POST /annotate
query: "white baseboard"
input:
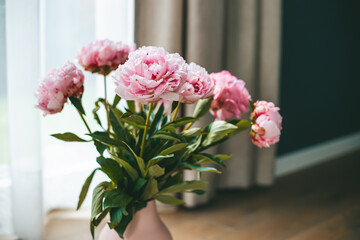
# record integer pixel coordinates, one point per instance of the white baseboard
(316, 154)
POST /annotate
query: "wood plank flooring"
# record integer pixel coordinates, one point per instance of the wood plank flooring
(321, 203)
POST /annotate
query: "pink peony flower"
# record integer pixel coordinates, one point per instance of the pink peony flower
(149, 75)
(266, 127)
(57, 86)
(198, 85)
(103, 56)
(231, 98)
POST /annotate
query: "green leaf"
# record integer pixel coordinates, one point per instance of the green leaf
(172, 180)
(202, 158)
(156, 171)
(243, 124)
(115, 217)
(98, 219)
(183, 186)
(157, 159)
(97, 199)
(202, 107)
(99, 146)
(104, 138)
(174, 148)
(201, 168)
(92, 230)
(85, 188)
(180, 122)
(96, 109)
(118, 126)
(77, 104)
(141, 164)
(157, 120)
(140, 182)
(111, 168)
(131, 105)
(117, 198)
(139, 160)
(192, 132)
(223, 157)
(116, 100)
(134, 120)
(169, 136)
(128, 168)
(151, 189)
(218, 130)
(251, 103)
(68, 137)
(168, 199)
(198, 192)
(120, 228)
(174, 105)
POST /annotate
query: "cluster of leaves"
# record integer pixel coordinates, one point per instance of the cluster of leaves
(137, 178)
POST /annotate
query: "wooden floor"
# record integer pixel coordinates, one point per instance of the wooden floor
(322, 203)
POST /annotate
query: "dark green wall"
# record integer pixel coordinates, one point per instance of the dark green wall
(320, 71)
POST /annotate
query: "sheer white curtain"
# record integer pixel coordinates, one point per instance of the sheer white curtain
(40, 35)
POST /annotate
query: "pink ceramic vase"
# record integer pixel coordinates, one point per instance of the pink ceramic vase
(145, 225)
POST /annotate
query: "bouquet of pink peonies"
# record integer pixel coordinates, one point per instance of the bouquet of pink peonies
(145, 145)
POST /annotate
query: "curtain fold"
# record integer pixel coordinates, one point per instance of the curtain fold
(237, 35)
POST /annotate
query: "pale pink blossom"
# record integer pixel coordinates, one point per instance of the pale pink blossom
(198, 85)
(149, 75)
(230, 98)
(57, 86)
(103, 56)
(266, 126)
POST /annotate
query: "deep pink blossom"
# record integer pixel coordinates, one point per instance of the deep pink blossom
(149, 75)
(57, 86)
(103, 56)
(198, 84)
(230, 98)
(266, 127)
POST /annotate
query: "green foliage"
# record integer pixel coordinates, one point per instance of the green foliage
(169, 136)
(116, 101)
(150, 190)
(192, 132)
(173, 148)
(96, 109)
(85, 188)
(202, 107)
(131, 105)
(76, 101)
(68, 137)
(134, 120)
(168, 199)
(128, 168)
(156, 171)
(186, 185)
(201, 168)
(111, 168)
(140, 172)
(218, 130)
(180, 122)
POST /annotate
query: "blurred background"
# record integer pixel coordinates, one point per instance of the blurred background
(301, 54)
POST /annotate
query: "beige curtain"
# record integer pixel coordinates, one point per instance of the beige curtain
(242, 36)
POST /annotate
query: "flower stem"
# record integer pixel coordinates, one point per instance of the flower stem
(176, 112)
(82, 117)
(106, 105)
(187, 126)
(146, 129)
